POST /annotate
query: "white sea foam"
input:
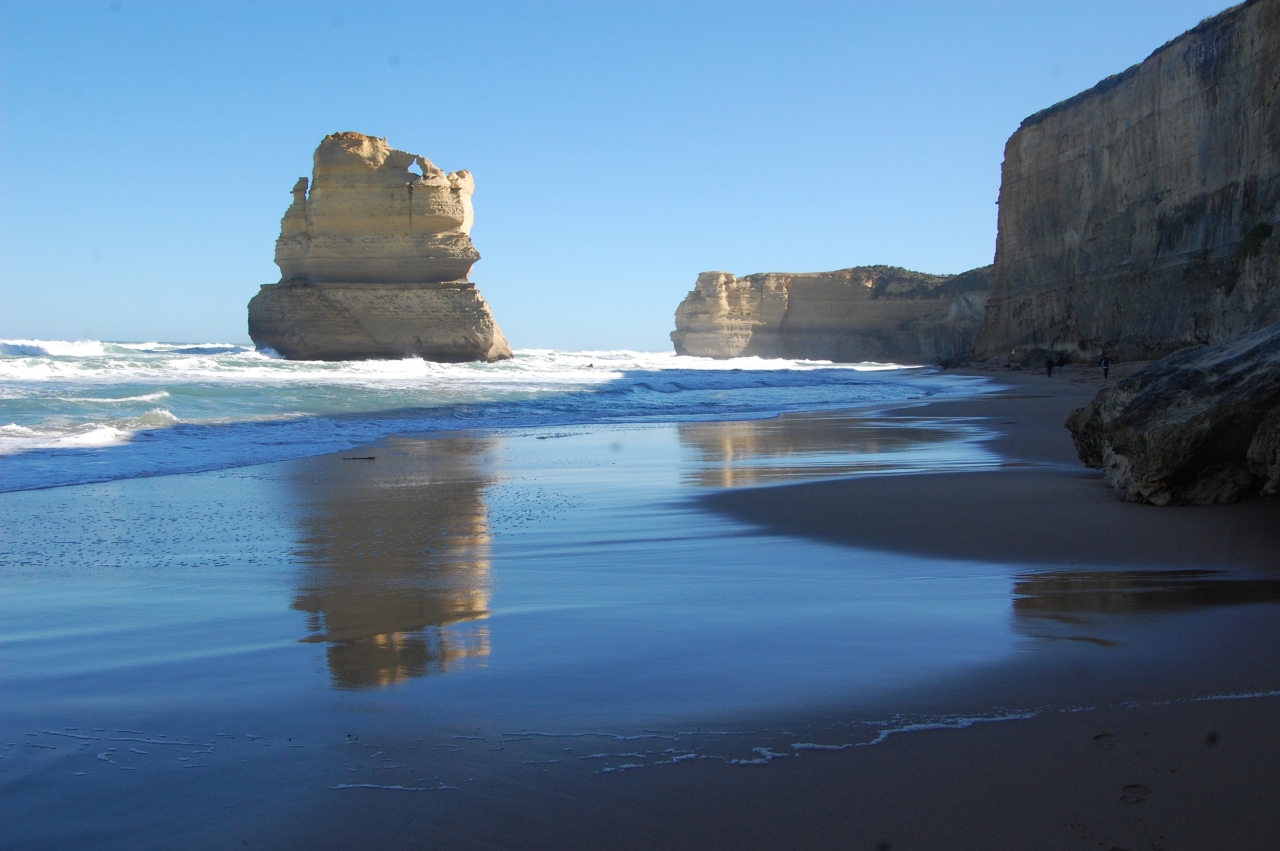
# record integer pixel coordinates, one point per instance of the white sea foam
(97, 435)
(950, 723)
(765, 756)
(117, 400)
(73, 412)
(51, 348)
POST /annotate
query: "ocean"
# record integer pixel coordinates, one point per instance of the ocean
(89, 411)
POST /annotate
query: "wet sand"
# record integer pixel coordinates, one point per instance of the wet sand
(1193, 776)
(1124, 776)
(1104, 757)
(640, 637)
(1042, 507)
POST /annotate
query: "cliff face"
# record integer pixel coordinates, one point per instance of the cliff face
(868, 313)
(374, 261)
(1134, 218)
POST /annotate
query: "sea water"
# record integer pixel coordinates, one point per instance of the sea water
(77, 412)
(504, 575)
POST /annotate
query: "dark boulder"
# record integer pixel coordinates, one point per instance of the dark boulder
(1199, 426)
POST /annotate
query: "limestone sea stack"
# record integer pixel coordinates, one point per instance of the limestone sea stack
(374, 260)
(1135, 218)
(867, 313)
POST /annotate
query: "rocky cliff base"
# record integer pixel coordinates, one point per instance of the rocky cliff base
(867, 313)
(447, 322)
(1200, 426)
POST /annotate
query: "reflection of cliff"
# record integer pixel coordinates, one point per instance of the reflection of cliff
(1070, 604)
(397, 550)
(738, 454)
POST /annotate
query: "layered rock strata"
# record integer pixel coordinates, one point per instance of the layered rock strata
(1135, 217)
(1200, 426)
(374, 260)
(867, 313)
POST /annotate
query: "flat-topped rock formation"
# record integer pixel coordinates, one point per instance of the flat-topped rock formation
(374, 260)
(867, 313)
(1135, 217)
(1199, 426)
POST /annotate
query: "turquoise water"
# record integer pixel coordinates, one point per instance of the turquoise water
(75, 412)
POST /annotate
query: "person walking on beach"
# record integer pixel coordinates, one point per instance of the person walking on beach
(1048, 367)
(1106, 366)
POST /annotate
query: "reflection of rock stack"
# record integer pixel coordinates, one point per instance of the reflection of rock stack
(399, 561)
(374, 262)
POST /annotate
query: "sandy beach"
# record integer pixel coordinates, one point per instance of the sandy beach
(1107, 757)
(909, 626)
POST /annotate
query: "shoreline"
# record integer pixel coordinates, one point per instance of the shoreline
(1042, 507)
(1092, 730)
(1122, 773)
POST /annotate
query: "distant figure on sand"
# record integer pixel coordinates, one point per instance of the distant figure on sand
(1008, 362)
(1062, 363)
(1106, 366)
(1048, 367)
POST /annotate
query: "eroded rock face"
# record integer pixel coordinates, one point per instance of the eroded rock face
(1135, 218)
(1198, 427)
(439, 322)
(868, 313)
(374, 260)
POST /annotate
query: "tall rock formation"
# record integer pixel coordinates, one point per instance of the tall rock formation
(374, 262)
(867, 313)
(1134, 217)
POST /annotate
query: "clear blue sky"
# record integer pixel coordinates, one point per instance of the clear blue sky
(618, 148)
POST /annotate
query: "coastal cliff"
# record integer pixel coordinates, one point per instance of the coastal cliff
(1135, 218)
(867, 313)
(374, 260)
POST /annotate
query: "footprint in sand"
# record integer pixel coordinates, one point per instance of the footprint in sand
(1105, 741)
(1135, 793)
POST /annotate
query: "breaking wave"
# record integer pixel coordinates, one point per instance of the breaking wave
(75, 412)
